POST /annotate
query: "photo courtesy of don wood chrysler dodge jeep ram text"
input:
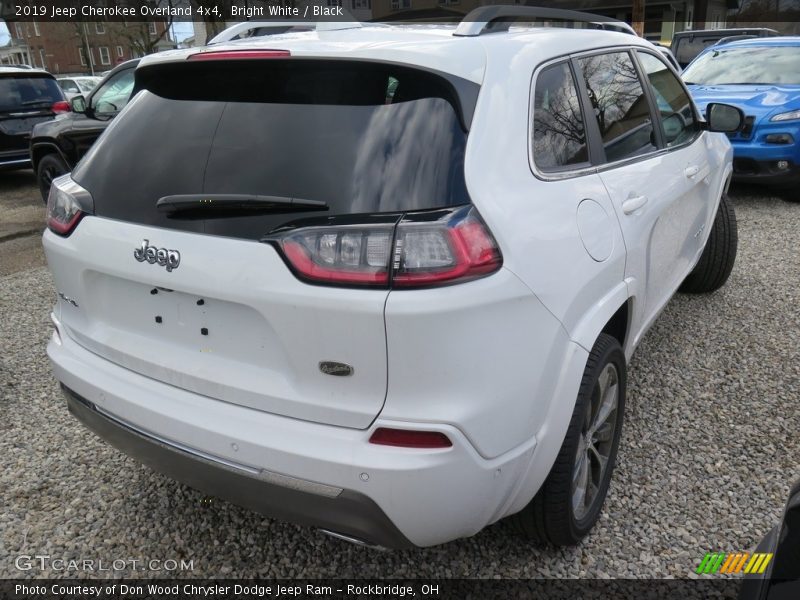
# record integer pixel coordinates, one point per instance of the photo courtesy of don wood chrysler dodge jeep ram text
(385, 281)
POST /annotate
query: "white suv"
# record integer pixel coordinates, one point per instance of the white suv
(384, 281)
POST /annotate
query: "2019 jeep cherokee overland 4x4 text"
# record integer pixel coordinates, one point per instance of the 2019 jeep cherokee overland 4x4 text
(385, 280)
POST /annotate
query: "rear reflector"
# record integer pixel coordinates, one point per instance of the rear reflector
(239, 54)
(61, 107)
(407, 438)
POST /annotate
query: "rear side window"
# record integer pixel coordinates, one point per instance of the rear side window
(28, 91)
(360, 137)
(620, 105)
(677, 116)
(559, 137)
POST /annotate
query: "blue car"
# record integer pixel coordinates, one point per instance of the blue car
(762, 77)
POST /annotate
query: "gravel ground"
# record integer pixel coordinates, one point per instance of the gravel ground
(709, 450)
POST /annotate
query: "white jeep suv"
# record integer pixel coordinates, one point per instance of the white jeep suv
(384, 281)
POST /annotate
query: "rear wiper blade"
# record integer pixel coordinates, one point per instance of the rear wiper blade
(204, 206)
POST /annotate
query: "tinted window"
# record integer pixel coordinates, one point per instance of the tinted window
(68, 85)
(559, 138)
(362, 137)
(746, 65)
(677, 115)
(114, 93)
(620, 105)
(28, 91)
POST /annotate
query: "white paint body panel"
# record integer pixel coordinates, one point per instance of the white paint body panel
(494, 363)
(267, 331)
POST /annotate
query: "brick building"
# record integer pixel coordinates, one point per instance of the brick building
(84, 47)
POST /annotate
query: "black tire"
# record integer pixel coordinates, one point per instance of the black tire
(719, 255)
(551, 517)
(50, 167)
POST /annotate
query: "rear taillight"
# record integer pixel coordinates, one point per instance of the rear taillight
(460, 249)
(408, 438)
(423, 249)
(340, 255)
(61, 107)
(239, 54)
(67, 203)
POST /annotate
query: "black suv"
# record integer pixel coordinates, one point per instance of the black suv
(686, 45)
(27, 97)
(57, 146)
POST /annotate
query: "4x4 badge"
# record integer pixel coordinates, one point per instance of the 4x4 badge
(166, 258)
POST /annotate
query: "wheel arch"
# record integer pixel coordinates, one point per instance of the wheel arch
(41, 149)
(612, 314)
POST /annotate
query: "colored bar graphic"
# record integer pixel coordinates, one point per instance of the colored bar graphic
(721, 562)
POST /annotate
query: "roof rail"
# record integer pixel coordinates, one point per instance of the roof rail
(279, 26)
(493, 19)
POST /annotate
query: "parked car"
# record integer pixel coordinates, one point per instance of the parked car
(27, 97)
(72, 86)
(335, 277)
(762, 77)
(781, 579)
(56, 146)
(686, 45)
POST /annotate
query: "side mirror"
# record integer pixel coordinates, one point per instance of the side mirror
(724, 118)
(78, 104)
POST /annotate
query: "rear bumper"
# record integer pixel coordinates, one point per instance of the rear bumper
(327, 507)
(309, 473)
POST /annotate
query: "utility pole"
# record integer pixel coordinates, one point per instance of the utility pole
(638, 17)
(90, 57)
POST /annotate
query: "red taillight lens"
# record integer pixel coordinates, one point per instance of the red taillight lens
(240, 54)
(449, 247)
(61, 107)
(66, 204)
(349, 255)
(407, 438)
(435, 254)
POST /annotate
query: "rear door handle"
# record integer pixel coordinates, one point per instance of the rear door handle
(633, 204)
(691, 171)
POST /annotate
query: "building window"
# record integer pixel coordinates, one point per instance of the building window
(151, 28)
(362, 4)
(105, 56)
(82, 55)
(401, 4)
(36, 29)
(18, 27)
(99, 28)
(120, 52)
(41, 57)
(689, 18)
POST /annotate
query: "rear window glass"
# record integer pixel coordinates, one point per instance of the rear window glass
(27, 91)
(361, 137)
